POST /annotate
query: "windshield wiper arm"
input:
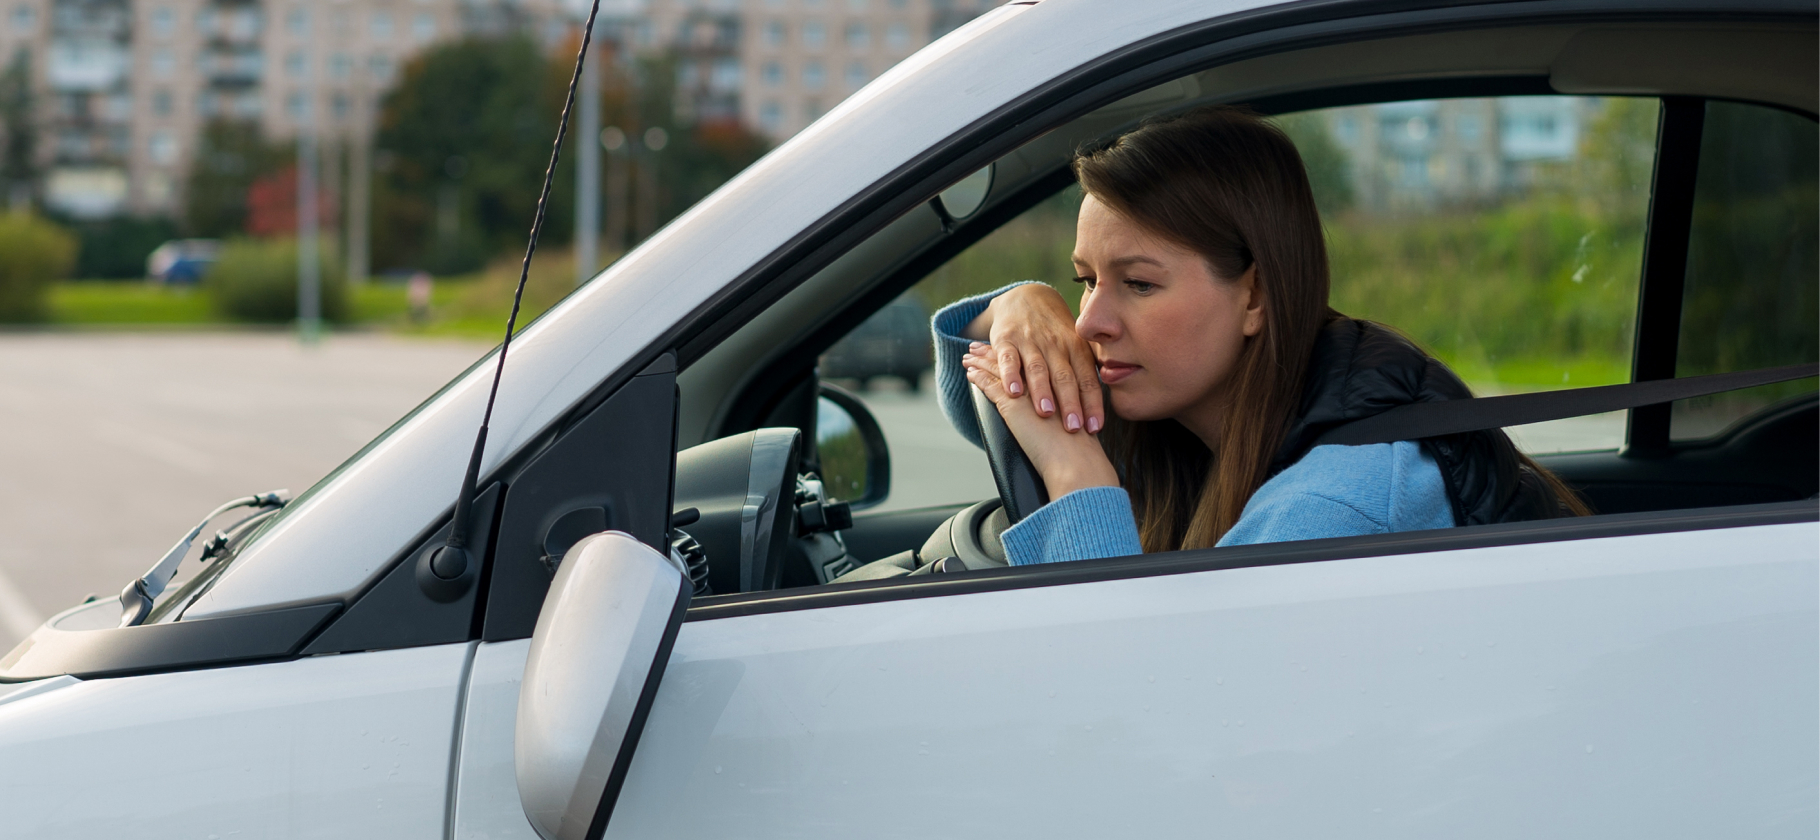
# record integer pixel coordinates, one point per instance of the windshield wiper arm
(136, 599)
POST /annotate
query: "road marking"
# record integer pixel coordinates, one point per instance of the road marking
(17, 615)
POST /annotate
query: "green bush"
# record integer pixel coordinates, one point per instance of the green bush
(256, 280)
(34, 253)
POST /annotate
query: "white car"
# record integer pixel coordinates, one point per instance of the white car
(1649, 671)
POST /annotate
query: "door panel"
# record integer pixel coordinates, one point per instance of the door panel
(486, 801)
(354, 745)
(1657, 685)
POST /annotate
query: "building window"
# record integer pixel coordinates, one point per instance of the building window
(381, 25)
(296, 105)
(858, 6)
(208, 104)
(897, 36)
(856, 74)
(858, 38)
(340, 105)
(297, 21)
(296, 64)
(774, 33)
(813, 75)
(773, 74)
(726, 75)
(340, 65)
(771, 117)
(164, 21)
(381, 67)
(24, 17)
(162, 103)
(814, 35)
(164, 63)
(423, 28)
(812, 109)
(247, 104)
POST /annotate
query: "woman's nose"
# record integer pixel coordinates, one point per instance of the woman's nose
(1099, 322)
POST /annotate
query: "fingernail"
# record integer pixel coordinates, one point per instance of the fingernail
(1093, 424)
(977, 344)
(1073, 422)
(1048, 406)
(1016, 388)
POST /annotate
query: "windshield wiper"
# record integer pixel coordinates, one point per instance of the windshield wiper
(137, 598)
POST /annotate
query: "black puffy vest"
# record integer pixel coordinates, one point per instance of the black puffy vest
(1360, 369)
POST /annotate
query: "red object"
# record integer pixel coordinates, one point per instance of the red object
(271, 205)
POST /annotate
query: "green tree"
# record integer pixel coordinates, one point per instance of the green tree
(466, 135)
(230, 156)
(1329, 169)
(34, 253)
(19, 163)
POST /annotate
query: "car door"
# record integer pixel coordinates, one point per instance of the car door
(1591, 682)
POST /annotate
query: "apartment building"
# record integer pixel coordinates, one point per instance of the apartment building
(778, 65)
(125, 86)
(1419, 154)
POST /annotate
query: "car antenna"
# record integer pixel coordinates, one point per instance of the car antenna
(451, 560)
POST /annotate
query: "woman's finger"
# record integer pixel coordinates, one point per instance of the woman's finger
(1087, 373)
(1010, 367)
(1067, 395)
(1036, 380)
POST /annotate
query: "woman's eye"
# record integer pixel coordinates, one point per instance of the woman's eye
(1140, 286)
(1089, 282)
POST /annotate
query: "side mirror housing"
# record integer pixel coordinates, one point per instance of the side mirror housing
(602, 640)
(855, 462)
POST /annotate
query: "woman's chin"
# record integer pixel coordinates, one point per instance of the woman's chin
(1134, 409)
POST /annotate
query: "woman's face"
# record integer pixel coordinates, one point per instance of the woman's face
(1167, 331)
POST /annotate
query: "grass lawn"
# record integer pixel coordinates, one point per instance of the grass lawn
(128, 302)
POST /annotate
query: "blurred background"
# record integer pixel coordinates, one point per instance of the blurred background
(162, 160)
(173, 172)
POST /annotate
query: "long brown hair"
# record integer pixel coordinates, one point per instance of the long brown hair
(1231, 187)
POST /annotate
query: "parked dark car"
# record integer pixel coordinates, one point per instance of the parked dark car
(895, 341)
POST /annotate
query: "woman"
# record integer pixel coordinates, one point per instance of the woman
(1204, 321)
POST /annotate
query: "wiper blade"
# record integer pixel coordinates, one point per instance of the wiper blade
(137, 598)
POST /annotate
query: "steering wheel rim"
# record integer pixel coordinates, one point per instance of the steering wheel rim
(1020, 489)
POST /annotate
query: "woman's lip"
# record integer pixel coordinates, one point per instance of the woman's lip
(1112, 372)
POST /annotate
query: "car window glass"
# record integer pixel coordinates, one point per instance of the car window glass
(888, 359)
(1750, 295)
(1505, 235)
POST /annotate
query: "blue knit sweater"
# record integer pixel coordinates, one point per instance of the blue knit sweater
(1333, 491)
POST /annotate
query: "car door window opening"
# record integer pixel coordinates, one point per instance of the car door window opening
(1021, 193)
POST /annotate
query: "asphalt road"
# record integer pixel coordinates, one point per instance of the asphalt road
(114, 444)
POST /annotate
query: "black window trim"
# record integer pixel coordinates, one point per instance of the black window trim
(1538, 533)
(1664, 271)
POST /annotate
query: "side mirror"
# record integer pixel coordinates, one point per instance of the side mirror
(855, 462)
(602, 640)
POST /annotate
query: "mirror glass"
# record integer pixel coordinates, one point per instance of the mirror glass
(843, 451)
(965, 197)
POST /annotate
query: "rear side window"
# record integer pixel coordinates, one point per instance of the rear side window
(1753, 261)
(1505, 235)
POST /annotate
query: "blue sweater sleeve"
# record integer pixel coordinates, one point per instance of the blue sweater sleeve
(1083, 525)
(950, 378)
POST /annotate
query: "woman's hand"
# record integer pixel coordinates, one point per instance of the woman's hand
(1035, 349)
(1067, 462)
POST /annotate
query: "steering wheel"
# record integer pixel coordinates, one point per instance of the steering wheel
(1020, 489)
(971, 536)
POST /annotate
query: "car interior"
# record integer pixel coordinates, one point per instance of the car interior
(763, 378)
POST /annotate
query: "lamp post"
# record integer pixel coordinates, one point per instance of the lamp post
(587, 175)
(309, 271)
